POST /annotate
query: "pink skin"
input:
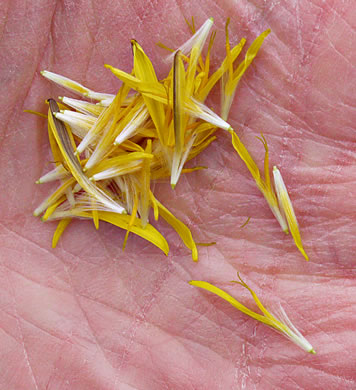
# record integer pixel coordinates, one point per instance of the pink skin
(88, 316)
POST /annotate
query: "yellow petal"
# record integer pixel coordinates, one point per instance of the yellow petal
(245, 157)
(144, 71)
(52, 208)
(286, 327)
(249, 57)
(183, 231)
(216, 76)
(287, 207)
(131, 222)
(227, 297)
(149, 233)
(231, 81)
(155, 206)
(62, 225)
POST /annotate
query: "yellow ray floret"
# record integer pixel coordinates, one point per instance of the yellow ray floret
(232, 78)
(183, 231)
(282, 325)
(62, 225)
(286, 205)
(262, 184)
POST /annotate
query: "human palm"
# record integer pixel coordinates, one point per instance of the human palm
(89, 316)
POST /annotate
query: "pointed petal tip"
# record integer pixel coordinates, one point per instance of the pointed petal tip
(312, 351)
(195, 254)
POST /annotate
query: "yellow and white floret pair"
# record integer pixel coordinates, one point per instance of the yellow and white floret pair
(279, 322)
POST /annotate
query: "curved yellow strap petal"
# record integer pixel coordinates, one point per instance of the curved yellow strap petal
(149, 233)
(62, 225)
(183, 230)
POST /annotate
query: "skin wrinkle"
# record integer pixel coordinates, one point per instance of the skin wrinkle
(95, 339)
(9, 334)
(24, 349)
(340, 378)
(6, 124)
(3, 25)
(33, 280)
(206, 316)
(316, 28)
(35, 326)
(340, 54)
(29, 241)
(138, 320)
(343, 19)
(295, 114)
(54, 370)
(284, 110)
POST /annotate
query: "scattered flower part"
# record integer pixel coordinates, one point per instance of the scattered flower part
(231, 78)
(280, 323)
(287, 208)
(264, 185)
(75, 87)
(196, 42)
(61, 226)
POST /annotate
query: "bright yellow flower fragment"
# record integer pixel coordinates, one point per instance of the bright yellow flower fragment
(282, 324)
(264, 185)
(231, 78)
(286, 205)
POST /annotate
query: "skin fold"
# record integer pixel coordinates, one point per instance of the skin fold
(87, 315)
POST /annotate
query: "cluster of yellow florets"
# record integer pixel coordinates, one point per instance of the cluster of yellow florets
(109, 149)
